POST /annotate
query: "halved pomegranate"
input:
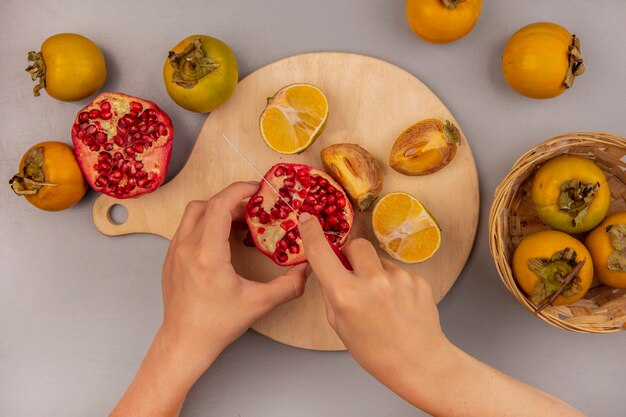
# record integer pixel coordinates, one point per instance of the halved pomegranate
(273, 224)
(123, 144)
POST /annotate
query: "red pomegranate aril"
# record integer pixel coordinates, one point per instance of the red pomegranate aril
(294, 248)
(322, 182)
(288, 225)
(341, 202)
(282, 257)
(106, 115)
(291, 235)
(119, 140)
(282, 214)
(318, 208)
(105, 166)
(129, 151)
(280, 171)
(83, 117)
(104, 157)
(94, 148)
(296, 204)
(343, 225)
(264, 218)
(108, 146)
(274, 212)
(330, 189)
(138, 165)
(101, 137)
(105, 105)
(141, 181)
(116, 176)
(136, 106)
(128, 120)
(333, 221)
(257, 200)
(330, 209)
(261, 230)
(254, 210)
(138, 147)
(94, 114)
(162, 129)
(289, 183)
(91, 129)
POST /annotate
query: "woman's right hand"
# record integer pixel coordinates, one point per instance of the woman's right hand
(383, 315)
(389, 322)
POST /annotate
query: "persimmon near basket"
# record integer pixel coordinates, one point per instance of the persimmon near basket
(513, 216)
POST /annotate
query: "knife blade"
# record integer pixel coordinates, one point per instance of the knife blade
(335, 249)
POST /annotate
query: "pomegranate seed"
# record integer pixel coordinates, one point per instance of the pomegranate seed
(149, 184)
(282, 214)
(291, 235)
(322, 182)
(331, 199)
(332, 220)
(289, 183)
(136, 106)
(162, 129)
(283, 192)
(138, 165)
(83, 116)
(296, 204)
(117, 155)
(294, 248)
(310, 199)
(129, 151)
(106, 115)
(289, 224)
(94, 114)
(119, 140)
(261, 230)
(254, 210)
(258, 200)
(282, 244)
(343, 225)
(282, 257)
(321, 191)
(91, 129)
(341, 202)
(116, 176)
(138, 147)
(280, 171)
(131, 182)
(101, 137)
(122, 130)
(105, 166)
(143, 128)
(274, 212)
(318, 208)
(105, 105)
(94, 148)
(104, 156)
(141, 181)
(141, 174)
(128, 120)
(264, 218)
(330, 209)
(108, 146)
(81, 134)
(330, 189)
(144, 116)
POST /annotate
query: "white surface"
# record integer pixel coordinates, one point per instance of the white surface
(78, 310)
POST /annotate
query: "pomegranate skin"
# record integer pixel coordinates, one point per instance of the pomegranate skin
(273, 224)
(123, 144)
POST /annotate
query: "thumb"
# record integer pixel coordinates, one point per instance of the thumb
(283, 288)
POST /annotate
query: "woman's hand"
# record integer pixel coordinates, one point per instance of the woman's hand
(206, 304)
(388, 320)
(382, 314)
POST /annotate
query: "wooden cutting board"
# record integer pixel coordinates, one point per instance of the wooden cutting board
(371, 103)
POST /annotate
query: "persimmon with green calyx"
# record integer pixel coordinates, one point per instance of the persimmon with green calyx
(200, 73)
(607, 245)
(542, 60)
(552, 268)
(442, 21)
(49, 177)
(571, 194)
(69, 66)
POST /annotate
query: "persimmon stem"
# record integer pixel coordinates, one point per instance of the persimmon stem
(558, 292)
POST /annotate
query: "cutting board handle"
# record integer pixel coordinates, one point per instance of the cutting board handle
(138, 220)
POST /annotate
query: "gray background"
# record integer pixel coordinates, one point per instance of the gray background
(78, 309)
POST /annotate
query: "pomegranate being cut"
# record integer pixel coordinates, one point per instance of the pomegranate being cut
(123, 144)
(273, 224)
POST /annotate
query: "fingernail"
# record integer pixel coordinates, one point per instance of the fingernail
(304, 217)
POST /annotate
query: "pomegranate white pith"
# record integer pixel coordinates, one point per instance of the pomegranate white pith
(123, 144)
(273, 224)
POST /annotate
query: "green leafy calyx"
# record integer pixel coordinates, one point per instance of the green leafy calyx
(191, 64)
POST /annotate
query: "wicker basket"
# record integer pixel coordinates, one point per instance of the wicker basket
(513, 216)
